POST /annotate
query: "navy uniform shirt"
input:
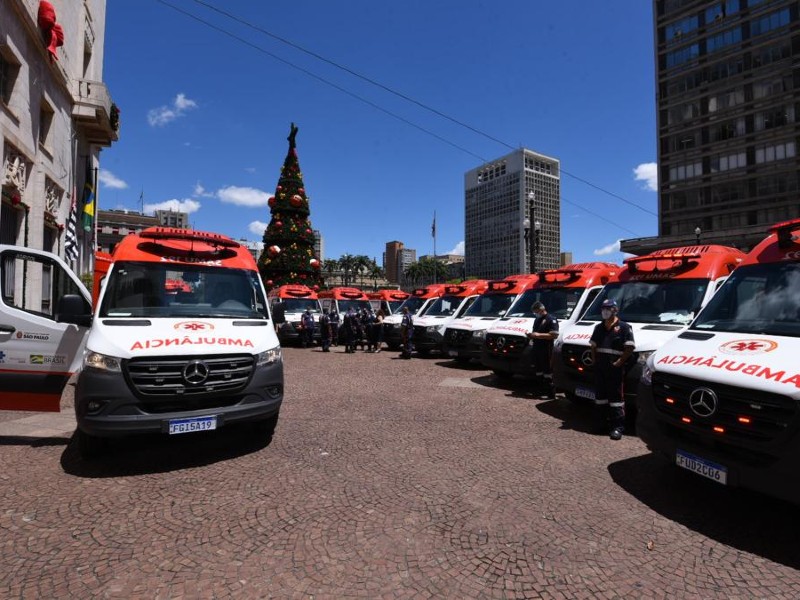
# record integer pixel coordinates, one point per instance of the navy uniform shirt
(609, 344)
(544, 324)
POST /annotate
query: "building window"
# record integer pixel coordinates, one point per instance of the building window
(772, 54)
(682, 55)
(728, 162)
(675, 31)
(774, 117)
(769, 22)
(723, 39)
(773, 152)
(776, 184)
(45, 123)
(9, 69)
(727, 130)
(686, 171)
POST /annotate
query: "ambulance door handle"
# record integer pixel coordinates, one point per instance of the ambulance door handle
(7, 329)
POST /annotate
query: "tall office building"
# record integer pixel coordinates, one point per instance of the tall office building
(391, 261)
(173, 218)
(727, 90)
(319, 245)
(512, 215)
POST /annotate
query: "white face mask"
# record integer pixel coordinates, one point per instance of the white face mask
(606, 313)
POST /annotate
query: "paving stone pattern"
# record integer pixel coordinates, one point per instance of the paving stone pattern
(386, 479)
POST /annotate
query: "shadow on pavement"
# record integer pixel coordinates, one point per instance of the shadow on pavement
(735, 517)
(33, 442)
(575, 416)
(146, 454)
(448, 363)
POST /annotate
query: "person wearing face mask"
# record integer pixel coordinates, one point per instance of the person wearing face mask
(544, 333)
(611, 345)
(307, 323)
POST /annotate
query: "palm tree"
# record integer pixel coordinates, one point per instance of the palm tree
(330, 266)
(347, 264)
(362, 265)
(433, 269)
(413, 273)
(375, 273)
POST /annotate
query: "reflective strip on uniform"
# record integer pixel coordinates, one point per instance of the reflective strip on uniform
(600, 402)
(548, 375)
(609, 351)
(616, 404)
(630, 344)
(539, 373)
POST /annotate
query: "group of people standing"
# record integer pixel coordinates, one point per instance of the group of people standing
(362, 329)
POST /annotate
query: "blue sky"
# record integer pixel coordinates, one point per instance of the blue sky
(204, 116)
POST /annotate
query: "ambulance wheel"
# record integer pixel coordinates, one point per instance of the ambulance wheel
(90, 446)
(504, 375)
(264, 429)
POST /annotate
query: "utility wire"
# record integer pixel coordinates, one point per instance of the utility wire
(373, 104)
(322, 79)
(403, 96)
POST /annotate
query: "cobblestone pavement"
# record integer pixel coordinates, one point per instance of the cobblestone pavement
(386, 479)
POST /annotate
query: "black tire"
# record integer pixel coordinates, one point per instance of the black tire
(90, 446)
(504, 375)
(264, 429)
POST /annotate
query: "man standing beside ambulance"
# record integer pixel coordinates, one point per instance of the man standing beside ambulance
(611, 346)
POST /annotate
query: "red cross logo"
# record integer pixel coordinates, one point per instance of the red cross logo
(193, 325)
(757, 346)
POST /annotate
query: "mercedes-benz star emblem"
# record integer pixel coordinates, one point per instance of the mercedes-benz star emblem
(196, 372)
(501, 342)
(703, 402)
(586, 358)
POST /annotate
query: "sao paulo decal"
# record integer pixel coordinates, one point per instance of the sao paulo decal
(748, 346)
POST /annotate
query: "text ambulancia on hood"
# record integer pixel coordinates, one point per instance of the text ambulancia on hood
(191, 341)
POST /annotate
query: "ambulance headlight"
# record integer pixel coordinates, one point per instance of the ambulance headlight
(268, 357)
(432, 329)
(479, 335)
(643, 356)
(95, 360)
(396, 325)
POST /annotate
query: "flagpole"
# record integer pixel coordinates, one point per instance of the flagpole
(94, 219)
(435, 270)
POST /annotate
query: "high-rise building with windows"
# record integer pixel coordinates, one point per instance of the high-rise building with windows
(727, 93)
(512, 215)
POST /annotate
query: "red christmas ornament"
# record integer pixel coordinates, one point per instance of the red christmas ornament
(274, 250)
(316, 288)
(271, 201)
(308, 231)
(314, 263)
(279, 224)
(279, 188)
(270, 282)
(296, 200)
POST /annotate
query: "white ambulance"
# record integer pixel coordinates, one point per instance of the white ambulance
(454, 301)
(722, 399)
(157, 362)
(658, 295)
(417, 303)
(566, 294)
(464, 336)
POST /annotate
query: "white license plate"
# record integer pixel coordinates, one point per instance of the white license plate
(452, 353)
(584, 393)
(192, 425)
(701, 466)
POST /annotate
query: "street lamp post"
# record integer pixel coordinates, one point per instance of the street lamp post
(537, 227)
(697, 232)
(526, 225)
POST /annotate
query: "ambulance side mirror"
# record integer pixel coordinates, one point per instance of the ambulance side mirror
(72, 308)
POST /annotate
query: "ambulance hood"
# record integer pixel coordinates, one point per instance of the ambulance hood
(472, 323)
(393, 319)
(648, 336)
(433, 321)
(512, 326)
(128, 338)
(766, 363)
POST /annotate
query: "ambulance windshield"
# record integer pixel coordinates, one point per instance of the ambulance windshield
(445, 306)
(762, 299)
(298, 305)
(147, 289)
(490, 305)
(559, 302)
(412, 303)
(394, 305)
(674, 301)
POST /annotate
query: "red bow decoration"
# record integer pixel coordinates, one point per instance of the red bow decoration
(53, 32)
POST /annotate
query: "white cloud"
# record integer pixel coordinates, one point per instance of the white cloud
(243, 196)
(610, 249)
(647, 172)
(200, 191)
(257, 227)
(458, 249)
(187, 206)
(158, 117)
(109, 180)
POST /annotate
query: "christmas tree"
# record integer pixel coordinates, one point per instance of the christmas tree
(288, 255)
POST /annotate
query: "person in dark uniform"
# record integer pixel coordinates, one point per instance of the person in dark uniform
(334, 316)
(307, 323)
(545, 332)
(278, 315)
(350, 329)
(325, 330)
(407, 332)
(612, 345)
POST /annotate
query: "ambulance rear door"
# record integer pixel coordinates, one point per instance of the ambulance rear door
(38, 354)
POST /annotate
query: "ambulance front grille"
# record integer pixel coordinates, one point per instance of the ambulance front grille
(505, 345)
(457, 337)
(736, 414)
(189, 376)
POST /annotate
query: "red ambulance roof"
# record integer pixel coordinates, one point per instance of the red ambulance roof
(578, 275)
(470, 287)
(513, 284)
(782, 244)
(388, 295)
(293, 291)
(430, 291)
(343, 293)
(686, 262)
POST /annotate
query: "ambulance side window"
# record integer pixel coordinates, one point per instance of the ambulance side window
(34, 284)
